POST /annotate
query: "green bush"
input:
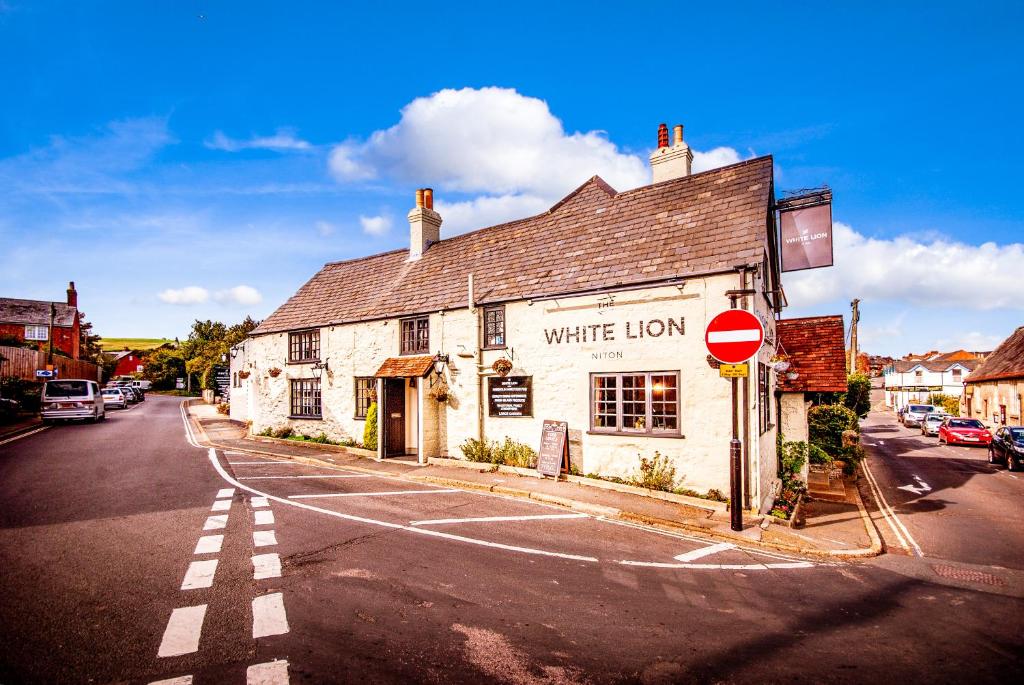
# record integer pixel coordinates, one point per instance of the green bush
(858, 394)
(283, 432)
(370, 429)
(948, 403)
(816, 455)
(826, 424)
(793, 457)
(25, 393)
(512, 453)
(657, 473)
(480, 451)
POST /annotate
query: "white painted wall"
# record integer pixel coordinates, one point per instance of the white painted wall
(898, 384)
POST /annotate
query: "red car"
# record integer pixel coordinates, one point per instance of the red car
(954, 431)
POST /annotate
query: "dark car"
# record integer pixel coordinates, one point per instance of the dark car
(1007, 446)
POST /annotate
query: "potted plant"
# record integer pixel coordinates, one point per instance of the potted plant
(274, 372)
(502, 367)
(243, 374)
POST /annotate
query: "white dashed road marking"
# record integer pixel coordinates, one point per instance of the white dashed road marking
(488, 519)
(271, 673)
(209, 544)
(225, 492)
(215, 522)
(221, 505)
(260, 502)
(266, 566)
(374, 494)
(199, 574)
(268, 617)
(264, 517)
(705, 551)
(263, 538)
(182, 633)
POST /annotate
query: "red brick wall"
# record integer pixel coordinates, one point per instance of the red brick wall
(126, 366)
(64, 339)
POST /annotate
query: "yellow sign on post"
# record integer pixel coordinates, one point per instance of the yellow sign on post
(734, 370)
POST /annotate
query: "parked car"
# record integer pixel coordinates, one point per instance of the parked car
(114, 398)
(1008, 447)
(915, 413)
(930, 424)
(129, 392)
(956, 431)
(72, 399)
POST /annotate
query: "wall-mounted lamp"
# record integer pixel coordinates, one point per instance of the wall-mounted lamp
(319, 368)
(440, 361)
(234, 352)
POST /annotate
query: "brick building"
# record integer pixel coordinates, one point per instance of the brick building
(31, 321)
(994, 392)
(815, 349)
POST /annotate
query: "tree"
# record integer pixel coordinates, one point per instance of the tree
(858, 394)
(209, 343)
(370, 429)
(163, 367)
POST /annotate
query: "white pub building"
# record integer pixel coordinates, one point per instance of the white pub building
(592, 313)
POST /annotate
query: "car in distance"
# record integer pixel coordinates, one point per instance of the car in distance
(957, 431)
(130, 393)
(113, 398)
(915, 413)
(72, 399)
(931, 422)
(1008, 447)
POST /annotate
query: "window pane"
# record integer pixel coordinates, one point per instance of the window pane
(664, 402)
(634, 402)
(605, 402)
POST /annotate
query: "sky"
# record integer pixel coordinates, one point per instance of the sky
(190, 160)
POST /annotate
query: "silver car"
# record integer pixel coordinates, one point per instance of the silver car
(72, 399)
(915, 413)
(114, 398)
(931, 422)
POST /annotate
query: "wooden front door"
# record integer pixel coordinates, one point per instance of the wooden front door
(394, 421)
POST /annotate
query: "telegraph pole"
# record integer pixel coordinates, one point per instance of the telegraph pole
(855, 317)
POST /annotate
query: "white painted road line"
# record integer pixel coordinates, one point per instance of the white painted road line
(260, 502)
(264, 517)
(267, 462)
(221, 505)
(225, 492)
(488, 519)
(183, 630)
(266, 566)
(199, 574)
(209, 544)
(900, 530)
(695, 554)
(24, 435)
(374, 494)
(180, 680)
(722, 567)
(215, 522)
(359, 475)
(268, 617)
(263, 538)
(270, 673)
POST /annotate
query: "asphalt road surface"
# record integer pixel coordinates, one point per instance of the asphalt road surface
(132, 555)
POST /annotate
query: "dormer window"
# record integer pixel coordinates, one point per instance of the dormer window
(919, 375)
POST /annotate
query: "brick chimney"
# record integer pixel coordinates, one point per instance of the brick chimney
(671, 162)
(424, 224)
(72, 295)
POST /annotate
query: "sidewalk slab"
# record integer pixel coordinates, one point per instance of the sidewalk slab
(21, 426)
(833, 528)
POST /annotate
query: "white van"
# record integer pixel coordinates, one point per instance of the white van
(72, 399)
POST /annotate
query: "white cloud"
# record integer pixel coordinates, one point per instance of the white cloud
(191, 294)
(240, 294)
(937, 273)
(325, 229)
(974, 341)
(479, 212)
(375, 225)
(283, 140)
(714, 158)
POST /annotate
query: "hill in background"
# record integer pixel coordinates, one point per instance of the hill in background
(116, 344)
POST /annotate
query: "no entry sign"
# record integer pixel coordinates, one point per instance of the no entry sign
(734, 336)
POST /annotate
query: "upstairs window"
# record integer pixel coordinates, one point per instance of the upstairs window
(919, 375)
(304, 346)
(957, 375)
(494, 327)
(416, 335)
(36, 333)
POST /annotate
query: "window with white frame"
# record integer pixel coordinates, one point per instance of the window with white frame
(645, 403)
(37, 333)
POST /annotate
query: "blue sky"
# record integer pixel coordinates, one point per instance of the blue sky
(185, 160)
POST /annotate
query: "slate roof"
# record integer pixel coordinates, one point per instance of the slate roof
(904, 365)
(1006, 361)
(35, 312)
(595, 238)
(405, 367)
(816, 347)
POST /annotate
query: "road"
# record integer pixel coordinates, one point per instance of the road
(324, 575)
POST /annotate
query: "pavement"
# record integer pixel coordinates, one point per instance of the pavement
(839, 530)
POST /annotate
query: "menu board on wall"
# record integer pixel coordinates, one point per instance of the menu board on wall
(511, 396)
(554, 448)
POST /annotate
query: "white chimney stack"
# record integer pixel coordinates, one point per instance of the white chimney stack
(424, 224)
(671, 162)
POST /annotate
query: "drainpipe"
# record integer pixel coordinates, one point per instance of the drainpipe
(471, 303)
(746, 407)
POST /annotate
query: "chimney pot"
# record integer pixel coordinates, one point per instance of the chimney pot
(662, 135)
(678, 134)
(419, 197)
(428, 198)
(72, 295)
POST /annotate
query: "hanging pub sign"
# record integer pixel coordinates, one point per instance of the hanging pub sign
(805, 224)
(511, 396)
(553, 456)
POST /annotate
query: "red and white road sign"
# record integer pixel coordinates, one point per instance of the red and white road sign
(734, 336)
